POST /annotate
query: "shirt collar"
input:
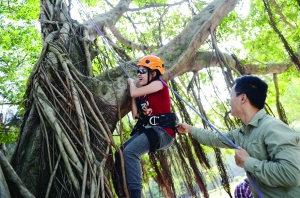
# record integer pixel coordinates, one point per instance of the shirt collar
(254, 121)
(259, 115)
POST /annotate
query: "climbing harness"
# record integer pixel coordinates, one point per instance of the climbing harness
(147, 125)
(153, 120)
(167, 120)
(163, 120)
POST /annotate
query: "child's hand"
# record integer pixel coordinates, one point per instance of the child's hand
(130, 81)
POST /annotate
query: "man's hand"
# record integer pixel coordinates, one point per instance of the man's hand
(183, 128)
(240, 156)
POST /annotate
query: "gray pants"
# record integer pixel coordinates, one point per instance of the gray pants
(134, 148)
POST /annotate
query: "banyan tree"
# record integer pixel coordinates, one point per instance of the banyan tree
(77, 99)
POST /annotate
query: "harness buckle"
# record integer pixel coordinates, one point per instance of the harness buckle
(152, 120)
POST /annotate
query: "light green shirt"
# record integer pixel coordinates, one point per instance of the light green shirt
(274, 150)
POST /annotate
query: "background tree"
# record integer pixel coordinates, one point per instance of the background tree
(76, 92)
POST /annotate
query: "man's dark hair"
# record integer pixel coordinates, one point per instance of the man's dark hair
(254, 88)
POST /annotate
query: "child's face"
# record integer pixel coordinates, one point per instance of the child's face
(142, 74)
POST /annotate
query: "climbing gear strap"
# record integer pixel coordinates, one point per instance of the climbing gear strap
(167, 120)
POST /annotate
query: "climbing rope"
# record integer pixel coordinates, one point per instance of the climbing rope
(122, 62)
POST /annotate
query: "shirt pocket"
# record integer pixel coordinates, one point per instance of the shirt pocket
(257, 149)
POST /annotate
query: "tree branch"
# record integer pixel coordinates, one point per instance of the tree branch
(204, 60)
(156, 6)
(127, 42)
(185, 45)
(108, 19)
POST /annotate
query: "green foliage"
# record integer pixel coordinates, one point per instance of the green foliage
(260, 44)
(127, 126)
(20, 44)
(20, 10)
(10, 136)
(290, 96)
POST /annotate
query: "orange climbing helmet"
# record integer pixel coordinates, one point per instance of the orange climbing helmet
(152, 62)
